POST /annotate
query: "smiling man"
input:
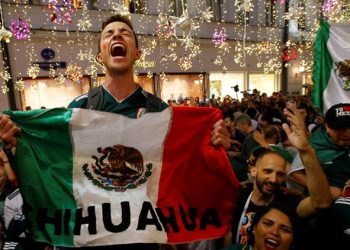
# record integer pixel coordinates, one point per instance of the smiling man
(269, 176)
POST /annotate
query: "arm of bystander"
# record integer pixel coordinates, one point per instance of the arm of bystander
(317, 184)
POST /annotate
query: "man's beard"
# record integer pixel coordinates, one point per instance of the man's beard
(260, 185)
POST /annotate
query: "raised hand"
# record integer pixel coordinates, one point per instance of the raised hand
(220, 136)
(296, 129)
(8, 131)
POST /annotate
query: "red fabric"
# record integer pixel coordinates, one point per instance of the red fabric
(196, 174)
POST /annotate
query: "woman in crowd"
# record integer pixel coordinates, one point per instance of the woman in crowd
(273, 229)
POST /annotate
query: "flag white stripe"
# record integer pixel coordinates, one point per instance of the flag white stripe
(97, 125)
(339, 48)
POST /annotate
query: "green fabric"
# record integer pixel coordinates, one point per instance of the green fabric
(129, 107)
(322, 65)
(335, 160)
(325, 149)
(38, 128)
(2, 205)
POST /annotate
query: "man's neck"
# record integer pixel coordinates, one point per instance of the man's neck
(120, 86)
(259, 199)
(250, 130)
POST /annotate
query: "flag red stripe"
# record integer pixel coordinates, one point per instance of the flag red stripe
(195, 174)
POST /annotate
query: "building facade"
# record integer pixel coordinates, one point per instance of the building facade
(191, 48)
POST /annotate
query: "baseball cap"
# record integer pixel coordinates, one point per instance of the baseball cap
(259, 150)
(338, 116)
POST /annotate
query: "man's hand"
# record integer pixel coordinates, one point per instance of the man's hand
(220, 136)
(259, 138)
(296, 130)
(8, 131)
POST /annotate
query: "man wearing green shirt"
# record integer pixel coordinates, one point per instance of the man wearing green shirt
(332, 146)
(118, 51)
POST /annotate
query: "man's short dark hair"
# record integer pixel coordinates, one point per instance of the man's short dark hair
(259, 152)
(243, 119)
(118, 18)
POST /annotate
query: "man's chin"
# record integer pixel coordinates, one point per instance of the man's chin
(119, 69)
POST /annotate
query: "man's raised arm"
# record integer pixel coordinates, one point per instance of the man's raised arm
(317, 184)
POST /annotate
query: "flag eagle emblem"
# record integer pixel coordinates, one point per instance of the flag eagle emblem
(118, 168)
(342, 71)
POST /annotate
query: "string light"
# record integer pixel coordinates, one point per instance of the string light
(52, 72)
(244, 5)
(84, 24)
(4, 89)
(267, 54)
(5, 34)
(149, 74)
(20, 29)
(329, 6)
(219, 37)
(185, 63)
(207, 15)
(19, 86)
(74, 72)
(92, 70)
(60, 79)
(162, 75)
(61, 11)
(164, 27)
(33, 71)
(120, 9)
(5, 75)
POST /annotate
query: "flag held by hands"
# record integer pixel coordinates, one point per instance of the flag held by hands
(91, 178)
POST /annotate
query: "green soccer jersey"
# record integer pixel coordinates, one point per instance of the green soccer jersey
(132, 106)
(334, 159)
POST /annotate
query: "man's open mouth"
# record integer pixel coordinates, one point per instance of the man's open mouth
(118, 50)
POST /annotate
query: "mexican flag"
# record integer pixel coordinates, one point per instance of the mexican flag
(331, 72)
(91, 178)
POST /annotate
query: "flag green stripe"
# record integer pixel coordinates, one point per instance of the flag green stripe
(322, 65)
(49, 186)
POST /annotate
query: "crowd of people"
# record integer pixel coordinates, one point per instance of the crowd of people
(291, 161)
(319, 174)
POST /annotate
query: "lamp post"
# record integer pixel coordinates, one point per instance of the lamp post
(126, 3)
(284, 75)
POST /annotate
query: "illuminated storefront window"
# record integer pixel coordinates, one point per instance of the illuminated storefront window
(179, 87)
(46, 92)
(222, 84)
(265, 83)
(307, 84)
(145, 82)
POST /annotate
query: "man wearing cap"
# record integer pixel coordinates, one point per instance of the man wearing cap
(332, 146)
(269, 178)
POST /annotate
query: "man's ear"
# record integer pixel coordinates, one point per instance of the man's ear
(253, 171)
(138, 54)
(98, 58)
